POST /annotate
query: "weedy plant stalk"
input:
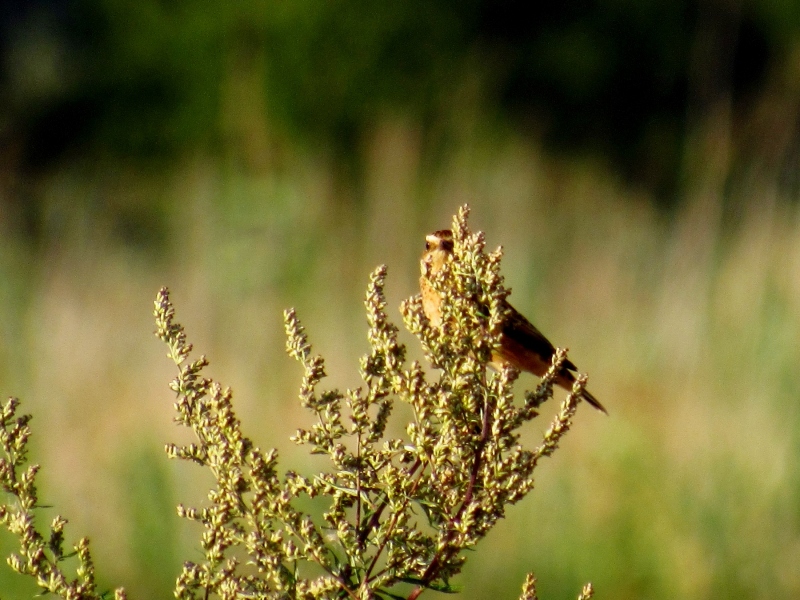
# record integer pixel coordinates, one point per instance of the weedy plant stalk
(42, 558)
(399, 512)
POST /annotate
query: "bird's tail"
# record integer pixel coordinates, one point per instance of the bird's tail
(594, 402)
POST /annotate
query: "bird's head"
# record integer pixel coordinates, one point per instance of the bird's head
(438, 249)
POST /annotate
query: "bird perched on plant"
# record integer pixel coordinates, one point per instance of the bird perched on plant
(521, 344)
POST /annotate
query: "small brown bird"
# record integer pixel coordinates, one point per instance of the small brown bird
(521, 345)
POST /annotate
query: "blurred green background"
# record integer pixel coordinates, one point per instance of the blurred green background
(637, 160)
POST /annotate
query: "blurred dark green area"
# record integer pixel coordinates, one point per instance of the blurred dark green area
(145, 81)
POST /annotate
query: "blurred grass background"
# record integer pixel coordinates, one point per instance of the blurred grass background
(638, 162)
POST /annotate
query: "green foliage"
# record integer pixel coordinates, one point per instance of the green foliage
(157, 80)
(39, 557)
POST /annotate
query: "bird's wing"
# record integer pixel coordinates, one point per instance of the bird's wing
(524, 333)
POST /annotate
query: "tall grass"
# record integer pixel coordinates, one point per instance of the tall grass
(687, 321)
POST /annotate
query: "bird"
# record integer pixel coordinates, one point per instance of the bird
(522, 345)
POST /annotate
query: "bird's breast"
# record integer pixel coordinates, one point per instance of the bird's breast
(430, 302)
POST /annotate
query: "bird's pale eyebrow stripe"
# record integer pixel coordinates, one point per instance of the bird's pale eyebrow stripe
(432, 239)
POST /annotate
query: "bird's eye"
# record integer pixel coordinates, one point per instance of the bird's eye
(428, 245)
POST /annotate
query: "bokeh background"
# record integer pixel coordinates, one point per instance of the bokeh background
(637, 160)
